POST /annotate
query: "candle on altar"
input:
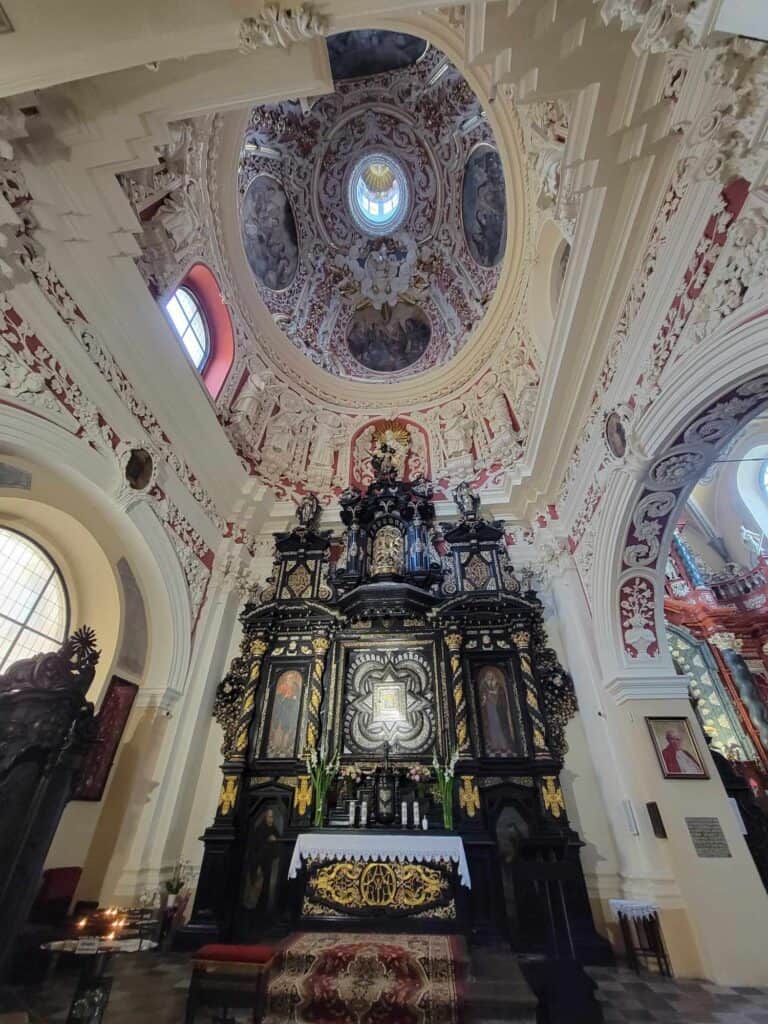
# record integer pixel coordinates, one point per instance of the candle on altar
(364, 812)
(404, 814)
(416, 818)
(352, 811)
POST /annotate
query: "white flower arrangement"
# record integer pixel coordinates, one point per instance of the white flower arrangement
(444, 773)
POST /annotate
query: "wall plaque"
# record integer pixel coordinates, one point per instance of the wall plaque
(708, 837)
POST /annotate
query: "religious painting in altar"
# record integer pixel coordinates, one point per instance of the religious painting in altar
(713, 707)
(283, 699)
(389, 698)
(262, 873)
(498, 711)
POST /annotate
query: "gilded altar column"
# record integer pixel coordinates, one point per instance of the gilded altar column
(258, 649)
(320, 645)
(453, 642)
(522, 641)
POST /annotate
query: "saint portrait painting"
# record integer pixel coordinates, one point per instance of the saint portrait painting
(261, 874)
(495, 712)
(284, 714)
(676, 748)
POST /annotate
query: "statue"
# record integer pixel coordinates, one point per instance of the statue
(307, 512)
(385, 463)
(467, 502)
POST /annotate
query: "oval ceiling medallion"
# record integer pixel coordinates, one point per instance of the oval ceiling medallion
(483, 206)
(387, 341)
(269, 233)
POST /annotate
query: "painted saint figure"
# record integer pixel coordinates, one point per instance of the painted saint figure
(495, 713)
(262, 862)
(284, 718)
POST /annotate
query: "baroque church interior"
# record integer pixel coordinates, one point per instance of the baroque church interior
(383, 511)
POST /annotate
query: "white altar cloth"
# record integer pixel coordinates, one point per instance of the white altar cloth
(636, 909)
(411, 846)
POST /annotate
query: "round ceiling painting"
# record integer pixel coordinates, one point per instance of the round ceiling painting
(374, 219)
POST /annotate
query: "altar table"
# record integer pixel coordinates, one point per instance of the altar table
(408, 846)
(375, 877)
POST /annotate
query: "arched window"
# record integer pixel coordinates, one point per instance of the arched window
(34, 610)
(189, 321)
(201, 319)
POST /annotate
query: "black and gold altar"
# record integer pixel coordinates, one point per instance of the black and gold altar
(401, 640)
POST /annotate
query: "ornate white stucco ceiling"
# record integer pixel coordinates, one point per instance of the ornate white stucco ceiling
(370, 304)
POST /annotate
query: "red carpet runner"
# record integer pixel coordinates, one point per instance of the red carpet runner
(337, 978)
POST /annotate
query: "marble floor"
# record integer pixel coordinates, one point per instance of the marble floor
(152, 988)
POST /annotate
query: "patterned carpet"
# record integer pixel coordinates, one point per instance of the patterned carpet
(152, 988)
(368, 979)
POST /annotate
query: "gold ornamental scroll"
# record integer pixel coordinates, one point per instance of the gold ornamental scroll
(453, 642)
(320, 645)
(522, 641)
(258, 649)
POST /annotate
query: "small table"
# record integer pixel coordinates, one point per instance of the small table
(93, 988)
(641, 931)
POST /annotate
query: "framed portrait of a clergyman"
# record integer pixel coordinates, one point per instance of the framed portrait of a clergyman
(676, 749)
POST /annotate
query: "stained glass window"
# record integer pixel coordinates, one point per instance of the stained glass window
(33, 602)
(188, 321)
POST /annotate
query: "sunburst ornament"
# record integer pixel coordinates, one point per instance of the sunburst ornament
(392, 432)
(378, 176)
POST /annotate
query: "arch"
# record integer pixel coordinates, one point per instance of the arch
(91, 479)
(202, 282)
(705, 401)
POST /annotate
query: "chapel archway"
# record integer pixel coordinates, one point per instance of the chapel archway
(708, 398)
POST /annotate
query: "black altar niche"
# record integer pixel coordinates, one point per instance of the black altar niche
(401, 638)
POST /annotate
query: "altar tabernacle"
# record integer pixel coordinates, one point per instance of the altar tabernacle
(394, 725)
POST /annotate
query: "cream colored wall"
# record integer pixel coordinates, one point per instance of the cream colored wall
(584, 803)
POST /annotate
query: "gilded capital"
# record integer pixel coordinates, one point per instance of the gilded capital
(521, 639)
(453, 642)
(320, 644)
(259, 647)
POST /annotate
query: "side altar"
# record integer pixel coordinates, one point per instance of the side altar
(401, 641)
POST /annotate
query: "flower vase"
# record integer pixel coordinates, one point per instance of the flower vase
(447, 805)
(320, 796)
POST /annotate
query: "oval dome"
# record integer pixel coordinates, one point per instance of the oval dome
(374, 218)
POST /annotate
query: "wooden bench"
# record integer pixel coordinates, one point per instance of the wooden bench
(230, 977)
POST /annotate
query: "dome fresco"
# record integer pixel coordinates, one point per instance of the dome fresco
(373, 219)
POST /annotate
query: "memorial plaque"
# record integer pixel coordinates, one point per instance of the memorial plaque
(708, 837)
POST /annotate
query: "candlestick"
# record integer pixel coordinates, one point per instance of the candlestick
(404, 814)
(416, 818)
(424, 823)
(352, 812)
(364, 813)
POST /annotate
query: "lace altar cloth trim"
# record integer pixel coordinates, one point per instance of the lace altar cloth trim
(403, 848)
(636, 909)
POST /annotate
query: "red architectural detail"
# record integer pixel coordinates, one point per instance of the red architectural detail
(739, 606)
(203, 284)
